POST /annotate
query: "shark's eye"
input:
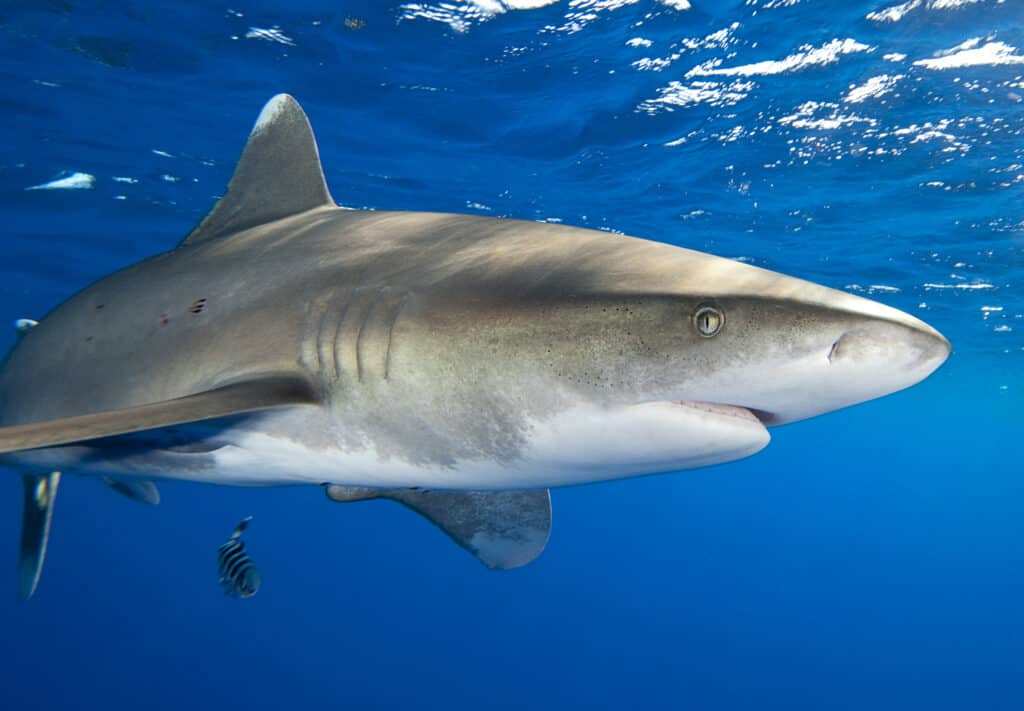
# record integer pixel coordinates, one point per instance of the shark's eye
(708, 320)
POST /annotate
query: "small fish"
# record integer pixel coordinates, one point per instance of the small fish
(238, 574)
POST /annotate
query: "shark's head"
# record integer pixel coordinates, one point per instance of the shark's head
(786, 349)
(725, 332)
(620, 324)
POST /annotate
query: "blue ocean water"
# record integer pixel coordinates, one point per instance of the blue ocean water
(867, 559)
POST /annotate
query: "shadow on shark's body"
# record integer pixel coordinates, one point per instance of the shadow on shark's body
(461, 365)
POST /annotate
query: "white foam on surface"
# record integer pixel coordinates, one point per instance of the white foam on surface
(937, 131)
(873, 88)
(807, 117)
(678, 95)
(462, 16)
(271, 34)
(583, 12)
(872, 289)
(652, 64)
(895, 13)
(74, 181)
(719, 39)
(458, 17)
(806, 56)
(974, 286)
(969, 54)
(950, 4)
(496, 7)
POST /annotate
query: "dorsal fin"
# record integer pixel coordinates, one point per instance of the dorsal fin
(278, 175)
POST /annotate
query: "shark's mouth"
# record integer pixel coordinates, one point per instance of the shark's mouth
(718, 408)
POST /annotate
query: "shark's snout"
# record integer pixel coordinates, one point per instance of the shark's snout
(864, 361)
(829, 356)
(906, 349)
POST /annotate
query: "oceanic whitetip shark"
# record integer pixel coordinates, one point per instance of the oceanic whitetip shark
(459, 364)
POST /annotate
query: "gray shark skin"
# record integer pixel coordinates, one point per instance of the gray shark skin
(422, 355)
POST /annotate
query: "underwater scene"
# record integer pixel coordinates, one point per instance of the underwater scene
(406, 416)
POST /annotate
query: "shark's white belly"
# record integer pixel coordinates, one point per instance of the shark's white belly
(580, 445)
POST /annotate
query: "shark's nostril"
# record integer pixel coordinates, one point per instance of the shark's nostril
(858, 344)
(834, 348)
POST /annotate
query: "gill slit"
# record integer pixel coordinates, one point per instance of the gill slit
(337, 332)
(320, 351)
(391, 334)
(367, 314)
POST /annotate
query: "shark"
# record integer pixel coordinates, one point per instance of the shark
(460, 365)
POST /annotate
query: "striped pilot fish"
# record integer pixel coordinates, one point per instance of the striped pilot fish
(238, 574)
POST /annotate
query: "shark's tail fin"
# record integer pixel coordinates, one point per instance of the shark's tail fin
(40, 493)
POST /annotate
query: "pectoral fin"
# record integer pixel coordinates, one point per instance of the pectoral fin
(141, 490)
(503, 529)
(228, 400)
(40, 492)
